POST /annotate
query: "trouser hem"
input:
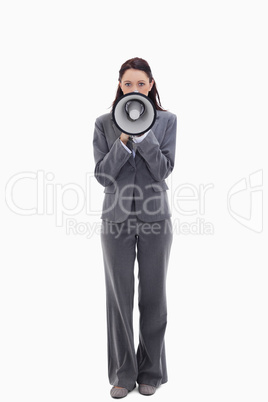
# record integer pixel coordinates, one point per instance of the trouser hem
(153, 383)
(124, 385)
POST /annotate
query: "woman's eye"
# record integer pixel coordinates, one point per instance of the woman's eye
(141, 84)
(127, 84)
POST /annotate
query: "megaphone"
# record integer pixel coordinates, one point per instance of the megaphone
(134, 113)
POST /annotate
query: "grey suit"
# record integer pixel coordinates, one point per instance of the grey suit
(136, 222)
(142, 177)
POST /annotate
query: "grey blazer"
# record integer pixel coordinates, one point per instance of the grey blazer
(142, 177)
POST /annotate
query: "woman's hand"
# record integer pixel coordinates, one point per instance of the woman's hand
(124, 138)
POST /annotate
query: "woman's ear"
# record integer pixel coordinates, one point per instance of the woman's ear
(151, 84)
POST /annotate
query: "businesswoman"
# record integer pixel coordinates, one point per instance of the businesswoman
(136, 223)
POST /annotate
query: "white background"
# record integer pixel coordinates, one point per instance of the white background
(59, 71)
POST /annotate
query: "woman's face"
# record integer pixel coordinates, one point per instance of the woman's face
(135, 80)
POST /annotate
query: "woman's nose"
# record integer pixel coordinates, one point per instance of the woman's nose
(135, 88)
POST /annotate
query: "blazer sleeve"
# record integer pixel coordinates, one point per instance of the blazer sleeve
(160, 159)
(108, 162)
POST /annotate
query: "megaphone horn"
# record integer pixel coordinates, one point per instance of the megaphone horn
(134, 113)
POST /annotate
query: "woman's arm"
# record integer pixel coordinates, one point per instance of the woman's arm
(160, 161)
(108, 162)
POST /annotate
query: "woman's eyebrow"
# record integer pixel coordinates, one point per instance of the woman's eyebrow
(130, 81)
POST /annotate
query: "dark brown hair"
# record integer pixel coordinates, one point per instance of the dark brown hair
(139, 64)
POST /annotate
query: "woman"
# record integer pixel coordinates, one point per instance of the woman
(136, 222)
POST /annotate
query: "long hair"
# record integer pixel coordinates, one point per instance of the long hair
(139, 64)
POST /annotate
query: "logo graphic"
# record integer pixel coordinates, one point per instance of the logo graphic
(245, 201)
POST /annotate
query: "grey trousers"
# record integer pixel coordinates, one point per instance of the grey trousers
(151, 243)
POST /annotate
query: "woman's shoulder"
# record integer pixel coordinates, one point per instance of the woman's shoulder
(104, 118)
(166, 115)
